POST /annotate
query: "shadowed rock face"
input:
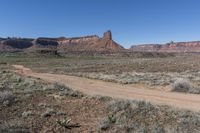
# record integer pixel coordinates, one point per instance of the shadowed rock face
(169, 47)
(78, 44)
(107, 35)
(15, 43)
(46, 42)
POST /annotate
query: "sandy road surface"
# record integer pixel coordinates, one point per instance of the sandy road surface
(97, 87)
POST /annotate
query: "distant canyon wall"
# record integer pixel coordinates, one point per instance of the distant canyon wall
(91, 43)
(169, 47)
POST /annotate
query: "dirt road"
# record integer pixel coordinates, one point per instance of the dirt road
(97, 87)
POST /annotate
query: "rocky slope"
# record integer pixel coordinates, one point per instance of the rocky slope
(79, 44)
(169, 47)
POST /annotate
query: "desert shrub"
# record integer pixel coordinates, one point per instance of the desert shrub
(7, 98)
(48, 112)
(13, 126)
(16, 82)
(99, 98)
(66, 123)
(43, 105)
(118, 105)
(27, 113)
(107, 122)
(31, 84)
(181, 85)
(136, 116)
(66, 91)
(194, 90)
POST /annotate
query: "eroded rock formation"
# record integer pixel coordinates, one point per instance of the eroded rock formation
(169, 47)
(107, 35)
(90, 43)
(78, 44)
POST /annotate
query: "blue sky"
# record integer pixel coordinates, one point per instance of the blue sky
(131, 21)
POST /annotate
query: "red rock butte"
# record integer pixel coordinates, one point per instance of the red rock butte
(91, 43)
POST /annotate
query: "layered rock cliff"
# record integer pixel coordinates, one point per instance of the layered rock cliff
(89, 43)
(78, 44)
(169, 47)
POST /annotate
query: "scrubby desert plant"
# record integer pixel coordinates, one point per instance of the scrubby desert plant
(107, 122)
(66, 123)
(7, 98)
(195, 90)
(117, 105)
(66, 91)
(49, 112)
(137, 116)
(181, 85)
(13, 126)
(99, 97)
(27, 113)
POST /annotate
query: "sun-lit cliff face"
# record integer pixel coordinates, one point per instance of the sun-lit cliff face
(91, 43)
(169, 47)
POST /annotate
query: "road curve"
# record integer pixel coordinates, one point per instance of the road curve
(97, 87)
